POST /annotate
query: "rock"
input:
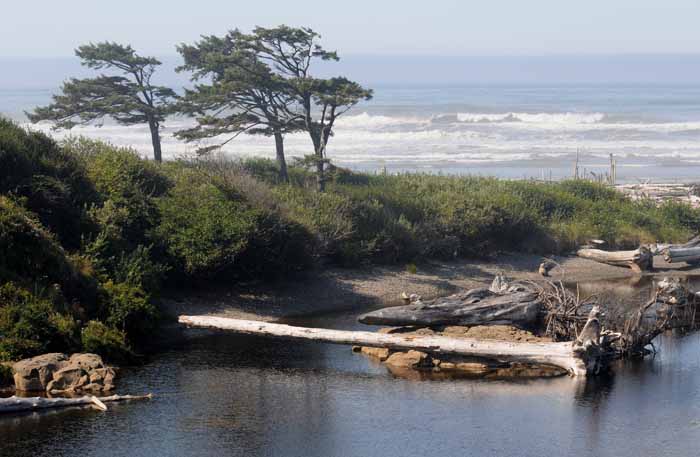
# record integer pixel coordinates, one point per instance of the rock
(33, 375)
(93, 387)
(68, 379)
(474, 368)
(419, 365)
(58, 373)
(87, 361)
(378, 353)
(410, 359)
(545, 267)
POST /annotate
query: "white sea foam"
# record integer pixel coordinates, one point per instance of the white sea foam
(534, 118)
(457, 140)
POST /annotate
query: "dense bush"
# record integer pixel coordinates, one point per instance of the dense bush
(97, 338)
(50, 181)
(127, 307)
(30, 325)
(203, 228)
(31, 255)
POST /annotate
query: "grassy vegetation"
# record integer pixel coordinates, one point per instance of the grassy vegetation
(90, 233)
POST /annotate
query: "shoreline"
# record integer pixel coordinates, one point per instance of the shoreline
(340, 289)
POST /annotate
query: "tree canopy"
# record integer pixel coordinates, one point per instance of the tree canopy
(235, 93)
(262, 83)
(291, 52)
(126, 95)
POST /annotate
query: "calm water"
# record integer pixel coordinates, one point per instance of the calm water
(219, 394)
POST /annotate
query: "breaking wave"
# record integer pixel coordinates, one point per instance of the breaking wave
(534, 118)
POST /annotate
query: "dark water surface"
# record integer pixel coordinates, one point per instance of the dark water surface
(220, 394)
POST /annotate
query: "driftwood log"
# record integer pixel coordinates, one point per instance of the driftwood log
(661, 248)
(689, 255)
(639, 260)
(21, 404)
(576, 361)
(496, 306)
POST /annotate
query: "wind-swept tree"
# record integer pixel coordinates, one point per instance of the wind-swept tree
(290, 52)
(236, 93)
(126, 95)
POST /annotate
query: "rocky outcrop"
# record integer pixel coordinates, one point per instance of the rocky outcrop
(33, 375)
(421, 365)
(59, 373)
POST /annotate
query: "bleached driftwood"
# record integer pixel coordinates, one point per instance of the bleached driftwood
(563, 355)
(20, 404)
(639, 260)
(474, 307)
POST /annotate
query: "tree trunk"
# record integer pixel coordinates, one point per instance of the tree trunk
(638, 260)
(316, 139)
(281, 162)
(320, 178)
(474, 307)
(564, 355)
(155, 139)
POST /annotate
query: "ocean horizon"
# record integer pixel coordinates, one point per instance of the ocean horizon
(513, 128)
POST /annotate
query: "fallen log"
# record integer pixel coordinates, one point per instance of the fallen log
(639, 260)
(474, 307)
(675, 254)
(564, 355)
(21, 404)
(661, 248)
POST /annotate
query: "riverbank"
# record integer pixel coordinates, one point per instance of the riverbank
(343, 289)
(94, 234)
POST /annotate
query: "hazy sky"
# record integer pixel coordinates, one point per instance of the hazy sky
(427, 27)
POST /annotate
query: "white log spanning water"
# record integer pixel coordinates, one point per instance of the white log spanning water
(556, 354)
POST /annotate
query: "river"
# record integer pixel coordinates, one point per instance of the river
(219, 394)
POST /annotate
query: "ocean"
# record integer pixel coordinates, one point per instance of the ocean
(511, 129)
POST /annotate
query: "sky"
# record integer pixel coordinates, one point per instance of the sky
(52, 28)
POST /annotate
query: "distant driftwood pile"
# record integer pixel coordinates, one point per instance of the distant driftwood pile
(642, 258)
(660, 193)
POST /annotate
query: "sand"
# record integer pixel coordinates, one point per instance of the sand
(338, 289)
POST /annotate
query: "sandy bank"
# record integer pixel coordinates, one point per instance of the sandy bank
(343, 289)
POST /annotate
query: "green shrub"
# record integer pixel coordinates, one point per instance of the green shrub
(32, 255)
(110, 343)
(29, 325)
(129, 187)
(590, 190)
(128, 308)
(276, 244)
(49, 180)
(203, 228)
(28, 249)
(328, 216)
